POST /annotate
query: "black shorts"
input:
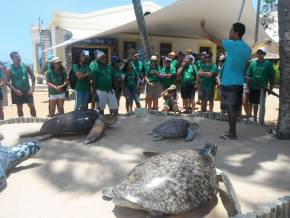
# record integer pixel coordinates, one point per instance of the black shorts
(206, 93)
(187, 91)
(254, 96)
(24, 99)
(231, 98)
(1, 94)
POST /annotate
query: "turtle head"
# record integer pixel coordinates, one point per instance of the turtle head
(24, 151)
(209, 150)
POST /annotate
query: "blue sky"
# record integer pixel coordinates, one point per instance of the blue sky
(18, 15)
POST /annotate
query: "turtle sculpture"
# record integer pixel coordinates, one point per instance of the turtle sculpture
(172, 183)
(10, 157)
(175, 128)
(77, 122)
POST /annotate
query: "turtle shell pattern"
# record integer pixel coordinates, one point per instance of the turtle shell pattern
(172, 128)
(170, 183)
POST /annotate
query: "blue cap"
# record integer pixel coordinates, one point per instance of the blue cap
(116, 59)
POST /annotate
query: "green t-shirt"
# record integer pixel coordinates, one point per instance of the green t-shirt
(151, 77)
(93, 66)
(56, 79)
(174, 64)
(103, 75)
(188, 75)
(139, 68)
(19, 77)
(167, 82)
(82, 85)
(209, 82)
(263, 72)
(198, 65)
(131, 80)
(117, 73)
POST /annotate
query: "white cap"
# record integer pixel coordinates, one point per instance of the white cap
(154, 58)
(263, 50)
(55, 60)
(100, 54)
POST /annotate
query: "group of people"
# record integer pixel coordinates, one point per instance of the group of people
(104, 84)
(101, 84)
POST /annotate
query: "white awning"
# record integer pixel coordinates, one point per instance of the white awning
(181, 19)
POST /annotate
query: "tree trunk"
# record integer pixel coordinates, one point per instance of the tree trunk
(283, 126)
(142, 27)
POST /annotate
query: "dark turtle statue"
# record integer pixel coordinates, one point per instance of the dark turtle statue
(175, 128)
(10, 157)
(78, 122)
(172, 183)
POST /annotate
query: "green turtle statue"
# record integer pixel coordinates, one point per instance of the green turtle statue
(172, 183)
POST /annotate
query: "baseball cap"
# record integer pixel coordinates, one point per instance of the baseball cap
(55, 60)
(167, 59)
(262, 50)
(96, 52)
(154, 58)
(100, 54)
(116, 59)
(173, 53)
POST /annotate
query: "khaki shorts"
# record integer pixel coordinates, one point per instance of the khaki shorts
(107, 98)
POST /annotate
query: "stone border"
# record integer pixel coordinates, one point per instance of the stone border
(207, 115)
(279, 208)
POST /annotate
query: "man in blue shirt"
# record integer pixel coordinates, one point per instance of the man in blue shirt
(237, 59)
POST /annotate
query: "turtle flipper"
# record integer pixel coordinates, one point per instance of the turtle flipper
(108, 193)
(150, 153)
(193, 126)
(221, 177)
(157, 137)
(190, 135)
(96, 131)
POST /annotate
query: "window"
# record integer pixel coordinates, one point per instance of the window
(165, 48)
(130, 48)
(204, 49)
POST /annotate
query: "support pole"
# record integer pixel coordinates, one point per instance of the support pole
(142, 27)
(241, 11)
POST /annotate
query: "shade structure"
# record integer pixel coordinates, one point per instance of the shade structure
(181, 19)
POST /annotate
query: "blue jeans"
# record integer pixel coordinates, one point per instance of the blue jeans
(82, 99)
(132, 96)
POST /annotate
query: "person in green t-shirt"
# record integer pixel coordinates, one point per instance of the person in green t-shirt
(103, 85)
(206, 81)
(132, 91)
(153, 86)
(138, 67)
(83, 74)
(18, 81)
(167, 74)
(262, 71)
(187, 74)
(118, 77)
(173, 56)
(56, 79)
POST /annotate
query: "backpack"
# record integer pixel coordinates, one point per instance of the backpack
(72, 78)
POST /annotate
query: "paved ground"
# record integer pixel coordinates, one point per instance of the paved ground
(66, 177)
